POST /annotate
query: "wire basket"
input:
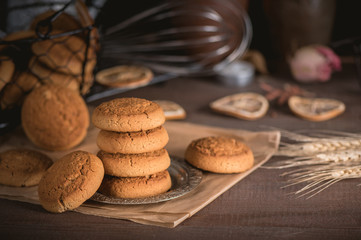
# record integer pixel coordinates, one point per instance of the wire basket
(56, 48)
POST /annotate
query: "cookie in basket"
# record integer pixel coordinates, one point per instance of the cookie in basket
(14, 92)
(136, 187)
(15, 36)
(70, 181)
(50, 76)
(63, 54)
(54, 117)
(128, 115)
(247, 106)
(219, 154)
(7, 69)
(124, 76)
(63, 22)
(134, 165)
(22, 167)
(133, 142)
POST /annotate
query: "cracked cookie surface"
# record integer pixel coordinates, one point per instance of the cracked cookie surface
(219, 154)
(134, 165)
(54, 117)
(128, 115)
(22, 167)
(70, 181)
(136, 187)
(133, 142)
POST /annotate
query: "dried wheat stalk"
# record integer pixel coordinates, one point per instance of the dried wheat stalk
(326, 158)
(318, 179)
(319, 160)
(321, 141)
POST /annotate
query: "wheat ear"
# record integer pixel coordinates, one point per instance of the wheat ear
(338, 157)
(322, 178)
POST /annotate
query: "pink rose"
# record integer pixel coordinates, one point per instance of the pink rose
(314, 63)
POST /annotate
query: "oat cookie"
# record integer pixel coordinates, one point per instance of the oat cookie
(219, 154)
(128, 115)
(22, 167)
(134, 165)
(70, 181)
(14, 92)
(54, 117)
(133, 142)
(136, 187)
(63, 22)
(63, 54)
(7, 69)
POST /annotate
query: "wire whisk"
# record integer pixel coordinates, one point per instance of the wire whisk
(180, 37)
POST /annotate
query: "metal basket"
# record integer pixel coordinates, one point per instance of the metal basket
(47, 52)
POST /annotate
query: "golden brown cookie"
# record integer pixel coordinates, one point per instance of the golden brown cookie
(63, 22)
(7, 68)
(19, 35)
(86, 20)
(219, 154)
(128, 115)
(134, 165)
(49, 76)
(87, 82)
(62, 54)
(15, 91)
(22, 167)
(133, 142)
(54, 117)
(136, 187)
(124, 76)
(70, 181)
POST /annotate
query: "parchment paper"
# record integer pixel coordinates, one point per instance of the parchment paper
(165, 214)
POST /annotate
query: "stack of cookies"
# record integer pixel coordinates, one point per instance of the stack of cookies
(131, 142)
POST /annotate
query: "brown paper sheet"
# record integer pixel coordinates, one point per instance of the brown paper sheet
(165, 214)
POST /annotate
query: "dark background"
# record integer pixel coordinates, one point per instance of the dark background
(347, 20)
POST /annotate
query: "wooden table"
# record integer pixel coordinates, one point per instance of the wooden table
(255, 208)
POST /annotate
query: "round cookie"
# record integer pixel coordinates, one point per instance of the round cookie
(219, 154)
(134, 165)
(22, 167)
(16, 36)
(54, 117)
(136, 187)
(63, 22)
(48, 76)
(7, 69)
(14, 92)
(133, 142)
(70, 181)
(128, 115)
(63, 54)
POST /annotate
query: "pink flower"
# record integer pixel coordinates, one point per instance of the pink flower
(314, 63)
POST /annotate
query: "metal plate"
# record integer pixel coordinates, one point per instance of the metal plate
(184, 179)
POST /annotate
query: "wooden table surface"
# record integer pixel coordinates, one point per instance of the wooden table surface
(255, 208)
